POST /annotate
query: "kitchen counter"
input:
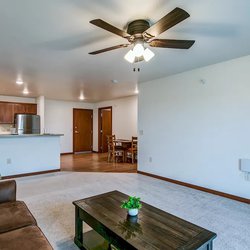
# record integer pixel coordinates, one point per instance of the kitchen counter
(29, 154)
(27, 135)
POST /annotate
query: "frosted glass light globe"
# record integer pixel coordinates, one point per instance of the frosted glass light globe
(138, 50)
(130, 56)
(148, 54)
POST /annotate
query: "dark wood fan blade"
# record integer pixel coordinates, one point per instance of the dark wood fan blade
(171, 19)
(104, 25)
(108, 49)
(174, 44)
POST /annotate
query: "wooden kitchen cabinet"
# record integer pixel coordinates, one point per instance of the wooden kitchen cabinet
(31, 109)
(25, 108)
(8, 111)
(19, 108)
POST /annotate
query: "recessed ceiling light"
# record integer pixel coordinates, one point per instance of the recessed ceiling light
(81, 97)
(26, 91)
(114, 81)
(19, 82)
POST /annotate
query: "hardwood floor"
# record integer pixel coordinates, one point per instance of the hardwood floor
(94, 162)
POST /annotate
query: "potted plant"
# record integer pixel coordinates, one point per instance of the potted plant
(133, 204)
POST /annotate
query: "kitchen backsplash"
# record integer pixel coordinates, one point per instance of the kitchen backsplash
(5, 128)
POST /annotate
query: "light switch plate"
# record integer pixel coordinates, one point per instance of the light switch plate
(245, 165)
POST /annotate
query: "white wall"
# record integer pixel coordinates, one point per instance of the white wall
(58, 117)
(124, 118)
(21, 155)
(59, 120)
(197, 132)
(4, 98)
(40, 111)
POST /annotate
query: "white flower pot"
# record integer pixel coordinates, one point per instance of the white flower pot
(133, 212)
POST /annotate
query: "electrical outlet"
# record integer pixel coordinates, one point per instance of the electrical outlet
(247, 176)
(8, 161)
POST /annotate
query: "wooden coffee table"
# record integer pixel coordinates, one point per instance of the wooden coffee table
(153, 229)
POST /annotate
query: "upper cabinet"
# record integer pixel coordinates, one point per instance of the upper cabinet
(8, 111)
(30, 109)
(19, 108)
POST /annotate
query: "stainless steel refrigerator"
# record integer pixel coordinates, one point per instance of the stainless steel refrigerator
(27, 124)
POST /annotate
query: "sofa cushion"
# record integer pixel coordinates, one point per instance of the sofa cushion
(26, 238)
(14, 215)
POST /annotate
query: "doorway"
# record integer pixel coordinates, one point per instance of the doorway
(82, 130)
(104, 128)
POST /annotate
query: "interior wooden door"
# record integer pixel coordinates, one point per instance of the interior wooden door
(82, 130)
(105, 127)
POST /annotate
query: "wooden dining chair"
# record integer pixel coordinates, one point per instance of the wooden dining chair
(132, 152)
(110, 139)
(114, 150)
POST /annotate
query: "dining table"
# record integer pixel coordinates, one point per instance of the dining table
(124, 143)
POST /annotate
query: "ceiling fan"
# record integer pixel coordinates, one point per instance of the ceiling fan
(139, 33)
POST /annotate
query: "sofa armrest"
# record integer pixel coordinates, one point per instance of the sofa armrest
(7, 191)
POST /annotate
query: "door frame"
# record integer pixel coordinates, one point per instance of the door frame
(99, 125)
(74, 128)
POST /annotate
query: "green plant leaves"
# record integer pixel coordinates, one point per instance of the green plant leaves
(131, 203)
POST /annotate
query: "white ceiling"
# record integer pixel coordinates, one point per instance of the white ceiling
(47, 42)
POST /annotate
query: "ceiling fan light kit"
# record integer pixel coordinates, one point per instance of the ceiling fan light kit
(133, 56)
(139, 32)
(130, 56)
(148, 54)
(138, 49)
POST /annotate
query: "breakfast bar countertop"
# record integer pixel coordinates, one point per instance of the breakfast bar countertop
(26, 135)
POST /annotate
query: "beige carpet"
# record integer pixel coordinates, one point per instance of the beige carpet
(50, 197)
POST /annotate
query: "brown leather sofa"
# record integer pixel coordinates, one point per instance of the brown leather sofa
(18, 227)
